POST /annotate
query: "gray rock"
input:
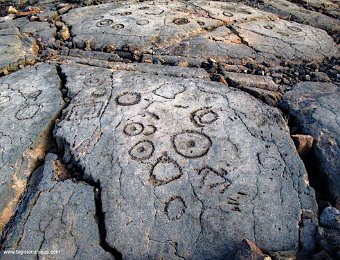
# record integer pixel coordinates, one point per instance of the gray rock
(315, 109)
(41, 30)
(289, 40)
(15, 49)
(60, 218)
(181, 162)
(302, 15)
(30, 101)
(149, 26)
(330, 218)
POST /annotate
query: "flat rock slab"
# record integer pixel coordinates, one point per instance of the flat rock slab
(315, 109)
(151, 25)
(222, 45)
(187, 168)
(302, 15)
(59, 219)
(30, 101)
(289, 40)
(15, 50)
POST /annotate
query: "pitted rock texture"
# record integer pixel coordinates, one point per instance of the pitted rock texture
(60, 218)
(30, 101)
(288, 40)
(314, 108)
(181, 162)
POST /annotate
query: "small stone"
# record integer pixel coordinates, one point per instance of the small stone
(249, 251)
(307, 78)
(183, 64)
(320, 76)
(330, 218)
(34, 18)
(65, 33)
(303, 143)
(12, 10)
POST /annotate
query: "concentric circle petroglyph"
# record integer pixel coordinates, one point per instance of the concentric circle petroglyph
(203, 116)
(104, 23)
(181, 21)
(191, 144)
(142, 150)
(133, 129)
(118, 26)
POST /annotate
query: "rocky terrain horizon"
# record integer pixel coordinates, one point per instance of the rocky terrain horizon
(169, 129)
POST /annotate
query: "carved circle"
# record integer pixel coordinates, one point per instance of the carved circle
(175, 208)
(133, 129)
(118, 26)
(244, 11)
(125, 13)
(27, 112)
(4, 99)
(268, 27)
(104, 23)
(142, 22)
(227, 14)
(99, 92)
(98, 17)
(203, 116)
(150, 129)
(201, 23)
(128, 98)
(284, 34)
(191, 144)
(181, 21)
(169, 90)
(154, 11)
(294, 28)
(142, 150)
(93, 81)
(33, 95)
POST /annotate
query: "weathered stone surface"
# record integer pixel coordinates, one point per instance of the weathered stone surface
(314, 108)
(288, 40)
(222, 45)
(41, 30)
(330, 218)
(60, 219)
(152, 25)
(30, 100)
(181, 162)
(303, 15)
(15, 50)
